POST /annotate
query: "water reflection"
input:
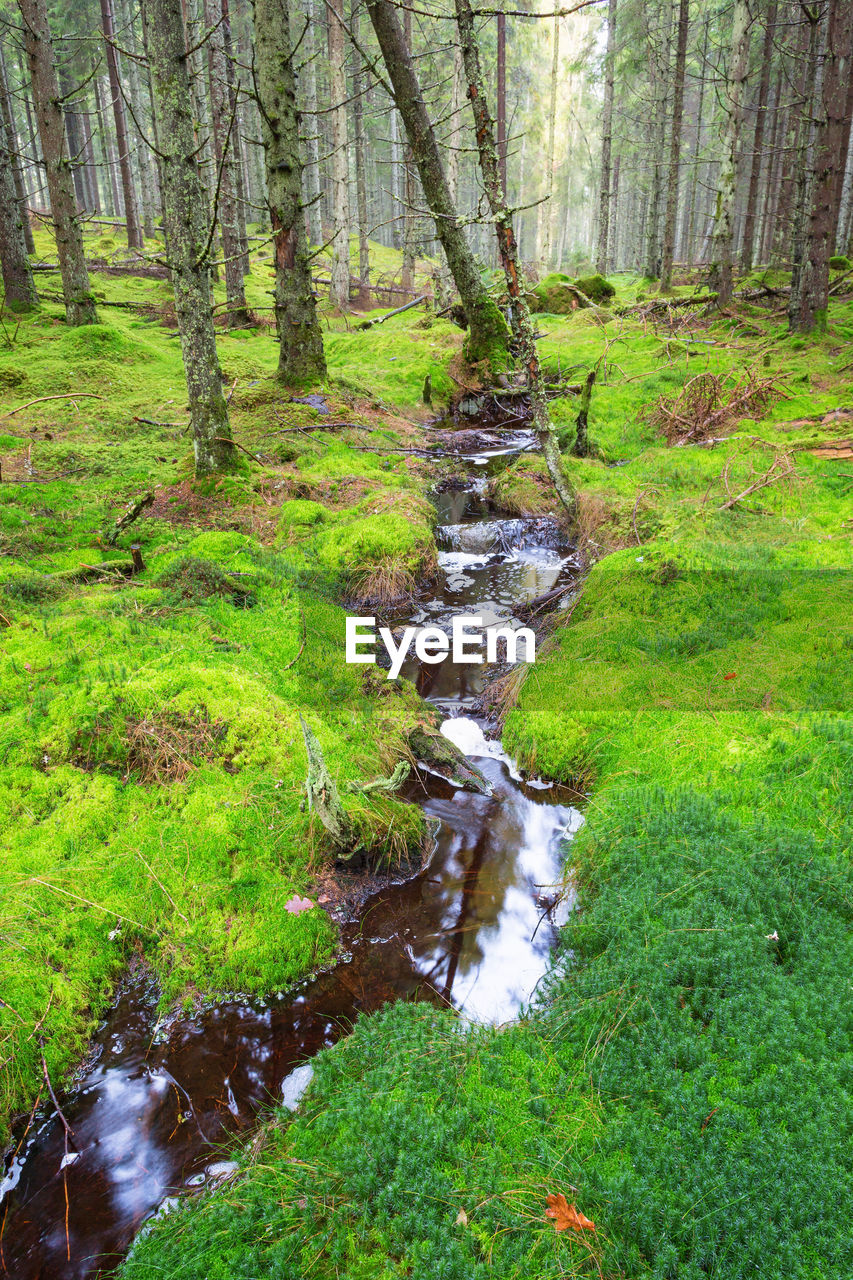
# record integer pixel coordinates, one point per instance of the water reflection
(473, 930)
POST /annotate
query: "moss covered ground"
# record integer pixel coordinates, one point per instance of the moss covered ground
(686, 1076)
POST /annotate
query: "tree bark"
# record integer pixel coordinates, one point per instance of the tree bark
(407, 277)
(134, 234)
(301, 357)
(358, 85)
(602, 256)
(224, 122)
(808, 305)
(806, 174)
(79, 304)
(188, 237)
(147, 170)
(508, 251)
(113, 201)
(674, 148)
(545, 250)
(720, 276)
(487, 330)
(501, 95)
(241, 168)
(312, 141)
(18, 289)
(339, 289)
(17, 172)
(758, 141)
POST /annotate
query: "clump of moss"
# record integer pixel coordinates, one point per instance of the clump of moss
(596, 288)
(191, 580)
(838, 262)
(32, 588)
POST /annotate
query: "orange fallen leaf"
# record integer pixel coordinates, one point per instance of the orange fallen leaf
(731, 676)
(565, 1215)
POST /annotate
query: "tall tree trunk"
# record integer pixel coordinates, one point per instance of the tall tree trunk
(18, 289)
(614, 247)
(241, 171)
(147, 169)
(188, 237)
(134, 234)
(358, 86)
(809, 303)
(407, 277)
(842, 240)
(720, 276)
(301, 357)
(508, 250)
(79, 304)
(312, 140)
(806, 175)
(758, 141)
(8, 119)
(339, 289)
(487, 330)
(601, 257)
(674, 148)
(772, 179)
(224, 120)
(501, 95)
(75, 146)
(107, 157)
(545, 244)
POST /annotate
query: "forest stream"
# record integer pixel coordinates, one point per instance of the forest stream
(153, 1114)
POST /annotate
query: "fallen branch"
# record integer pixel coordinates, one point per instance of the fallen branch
(69, 395)
(134, 510)
(368, 324)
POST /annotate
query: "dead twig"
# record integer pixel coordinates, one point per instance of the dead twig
(70, 395)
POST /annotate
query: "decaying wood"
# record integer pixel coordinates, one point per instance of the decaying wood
(134, 510)
(416, 302)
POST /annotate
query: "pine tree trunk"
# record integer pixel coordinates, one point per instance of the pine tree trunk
(545, 244)
(339, 289)
(809, 303)
(758, 141)
(614, 248)
(508, 250)
(241, 171)
(720, 276)
(147, 170)
(312, 141)
(79, 304)
(604, 195)
(107, 157)
(501, 95)
(188, 237)
(8, 119)
(18, 289)
(407, 277)
(806, 174)
(224, 121)
(301, 356)
(674, 148)
(134, 234)
(360, 170)
(487, 330)
(771, 181)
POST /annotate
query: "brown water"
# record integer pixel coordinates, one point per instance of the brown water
(154, 1112)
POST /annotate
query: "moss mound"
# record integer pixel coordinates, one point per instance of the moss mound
(596, 288)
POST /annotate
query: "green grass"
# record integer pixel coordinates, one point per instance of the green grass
(686, 1075)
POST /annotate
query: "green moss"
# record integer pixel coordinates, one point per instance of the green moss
(839, 263)
(596, 288)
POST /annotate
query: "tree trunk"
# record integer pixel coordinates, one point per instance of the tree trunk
(508, 251)
(771, 181)
(301, 356)
(545, 249)
(487, 330)
(720, 276)
(758, 141)
(339, 289)
(134, 234)
(674, 148)
(602, 257)
(501, 94)
(312, 140)
(8, 120)
(224, 123)
(79, 304)
(107, 158)
(360, 170)
(808, 305)
(806, 175)
(147, 170)
(185, 220)
(613, 252)
(18, 289)
(407, 278)
(241, 171)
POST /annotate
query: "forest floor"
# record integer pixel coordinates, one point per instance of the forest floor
(685, 1077)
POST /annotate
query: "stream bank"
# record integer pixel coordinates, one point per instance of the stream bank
(472, 932)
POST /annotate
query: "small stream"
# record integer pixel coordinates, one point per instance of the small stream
(159, 1101)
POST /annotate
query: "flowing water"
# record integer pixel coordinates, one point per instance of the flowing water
(155, 1108)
